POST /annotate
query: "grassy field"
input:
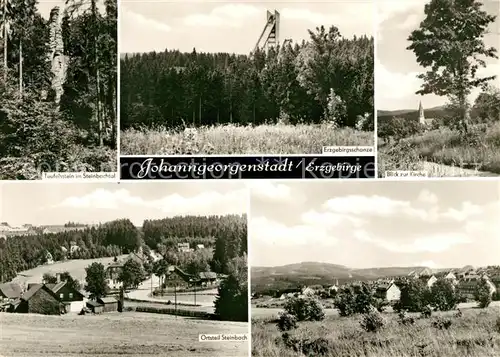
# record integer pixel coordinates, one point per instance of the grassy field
(473, 335)
(443, 153)
(231, 139)
(75, 267)
(115, 334)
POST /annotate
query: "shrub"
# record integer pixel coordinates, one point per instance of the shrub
(404, 319)
(286, 322)
(305, 309)
(372, 321)
(441, 323)
(413, 296)
(345, 302)
(307, 347)
(482, 294)
(426, 312)
(380, 304)
(443, 296)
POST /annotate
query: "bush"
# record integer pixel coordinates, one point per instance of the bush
(413, 296)
(286, 322)
(482, 294)
(307, 347)
(380, 304)
(426, 312)
(404, 319)
(351, 300)
(305, 309)
(345, 302)
(372, 321)
(443, 296)
(441, 323)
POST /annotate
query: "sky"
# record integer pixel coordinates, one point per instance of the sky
(91, 203)
(360, 224)
(396, 68)
(218, 26)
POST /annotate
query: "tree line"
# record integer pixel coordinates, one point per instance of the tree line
(329, 77)
(58, 76)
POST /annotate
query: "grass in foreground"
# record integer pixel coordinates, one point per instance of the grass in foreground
(472, 335)
(444, 153)
(115, 334)
(232, 139)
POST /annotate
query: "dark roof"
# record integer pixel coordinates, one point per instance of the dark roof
(32, 290)
(207, 275)
(107, 300)
(11, 290)
(56, 287)
(93, 303)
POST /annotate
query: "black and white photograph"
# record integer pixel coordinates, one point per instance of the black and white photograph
(108, 269)
(251, 78)
(379, 268)
(58, 87)
(437, 85)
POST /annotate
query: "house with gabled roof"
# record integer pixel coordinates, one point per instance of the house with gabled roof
(388, 291)
(207, 278)
(73, 300)
(38, 299)
(10, 291)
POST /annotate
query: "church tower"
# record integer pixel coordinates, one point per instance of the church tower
(421, 117)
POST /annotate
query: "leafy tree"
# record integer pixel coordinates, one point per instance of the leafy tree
(413, 296)
(95, 280)
(304, 308)
(49, 278)
(132, 274)
(443, 296)
(70, 281)
(482, 294)
(450, 43)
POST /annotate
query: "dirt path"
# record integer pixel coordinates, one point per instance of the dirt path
(440, 170)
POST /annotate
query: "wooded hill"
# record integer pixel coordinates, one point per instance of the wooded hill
(58, 88)
(225, 235)
(328, 77)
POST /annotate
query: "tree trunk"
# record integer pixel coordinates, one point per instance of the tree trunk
(21, 67)
(4, 19)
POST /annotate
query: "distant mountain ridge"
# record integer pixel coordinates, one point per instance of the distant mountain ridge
(434, 112)
(314, 273)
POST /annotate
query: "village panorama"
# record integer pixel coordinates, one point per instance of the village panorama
(393, 269)
(131, 285)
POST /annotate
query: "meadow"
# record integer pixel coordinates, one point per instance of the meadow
(232, 139)
(76, 269)
(443, 152)
(475, 334)
(114, 334)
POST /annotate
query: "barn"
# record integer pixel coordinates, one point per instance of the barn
(38, 299)
(109, 304)
(95, 307)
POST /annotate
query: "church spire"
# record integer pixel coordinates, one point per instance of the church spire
(421, 116)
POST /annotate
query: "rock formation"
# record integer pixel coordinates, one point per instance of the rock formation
(56, 54)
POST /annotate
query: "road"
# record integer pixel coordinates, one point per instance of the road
(204, 298)
(439, 170)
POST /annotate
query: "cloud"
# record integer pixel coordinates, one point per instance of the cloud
(389, 9)
(329, 219)
(434, 243)
(275, 233)
(392, 86)
(427, 196)
(139, 22)
(310, 16)
(228, 15)
(466, 211)
(271, 190)
(208, 202)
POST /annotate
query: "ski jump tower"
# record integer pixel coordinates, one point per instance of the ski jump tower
(270, 34)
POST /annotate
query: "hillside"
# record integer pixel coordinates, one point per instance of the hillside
(435, 112)
(313, 273)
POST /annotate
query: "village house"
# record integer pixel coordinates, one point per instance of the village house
(388, 291)
(10, 291)
(109, 304)
(94, 306)
(178, 278)
(416, 274)
(451, 277)
(112, 274)
(38, 299)
(200, 246)
(207, 278)
(184, 248)
(468, 286)
(48, 258)
(308, 291)
(73, 300)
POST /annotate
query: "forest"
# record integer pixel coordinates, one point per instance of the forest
(327, 79)
(226, 236)
(58, 75)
